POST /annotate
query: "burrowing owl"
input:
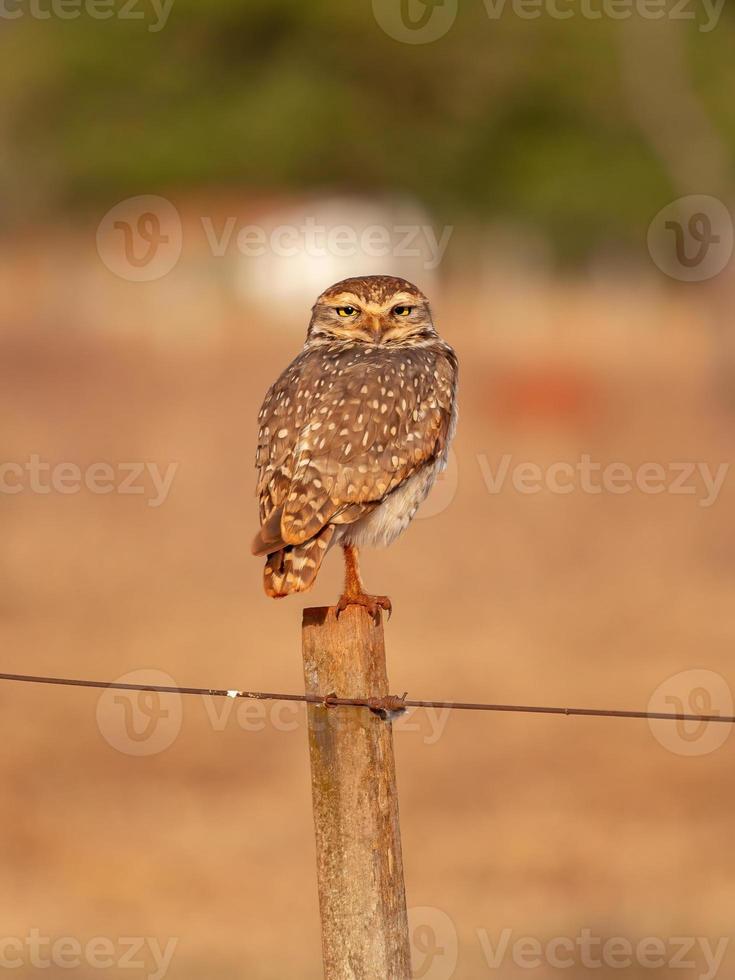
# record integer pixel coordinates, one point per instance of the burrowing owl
(353, 433)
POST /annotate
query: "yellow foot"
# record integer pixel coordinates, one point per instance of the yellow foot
(373, 604)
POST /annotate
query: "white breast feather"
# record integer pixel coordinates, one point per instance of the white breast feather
(381, 527)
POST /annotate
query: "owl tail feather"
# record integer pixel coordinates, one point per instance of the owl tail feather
(294, 568)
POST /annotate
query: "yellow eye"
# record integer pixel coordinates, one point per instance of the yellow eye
(346, 310)
(402, 310)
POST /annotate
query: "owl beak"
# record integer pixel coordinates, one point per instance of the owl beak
(375, 328)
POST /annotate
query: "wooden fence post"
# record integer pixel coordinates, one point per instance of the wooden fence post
(362, 899)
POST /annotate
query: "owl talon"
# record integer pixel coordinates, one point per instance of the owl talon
(373, 604)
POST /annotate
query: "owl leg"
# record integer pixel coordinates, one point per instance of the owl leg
(354, 593)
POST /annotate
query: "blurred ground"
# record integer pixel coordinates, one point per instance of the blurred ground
(545, 826)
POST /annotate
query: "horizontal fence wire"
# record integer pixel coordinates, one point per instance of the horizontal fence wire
(391, 704)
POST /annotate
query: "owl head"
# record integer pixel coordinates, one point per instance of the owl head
(371, 310)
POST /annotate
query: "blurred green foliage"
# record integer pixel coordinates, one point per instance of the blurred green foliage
(509, 119)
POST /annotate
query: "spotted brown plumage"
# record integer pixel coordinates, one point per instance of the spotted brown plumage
(354, 432)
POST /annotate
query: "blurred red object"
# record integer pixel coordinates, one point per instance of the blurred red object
(545, 393)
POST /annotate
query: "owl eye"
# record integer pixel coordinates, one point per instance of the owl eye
(346, 310)
(402, 310)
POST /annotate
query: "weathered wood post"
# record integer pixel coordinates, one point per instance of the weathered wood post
(362, 897)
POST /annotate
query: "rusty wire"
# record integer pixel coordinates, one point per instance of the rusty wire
(389, 705)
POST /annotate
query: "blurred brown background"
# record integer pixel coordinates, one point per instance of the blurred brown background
(543, 149)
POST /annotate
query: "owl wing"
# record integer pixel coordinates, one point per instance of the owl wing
(361, 434)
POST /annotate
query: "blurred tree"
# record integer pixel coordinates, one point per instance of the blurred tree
(500, 118)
